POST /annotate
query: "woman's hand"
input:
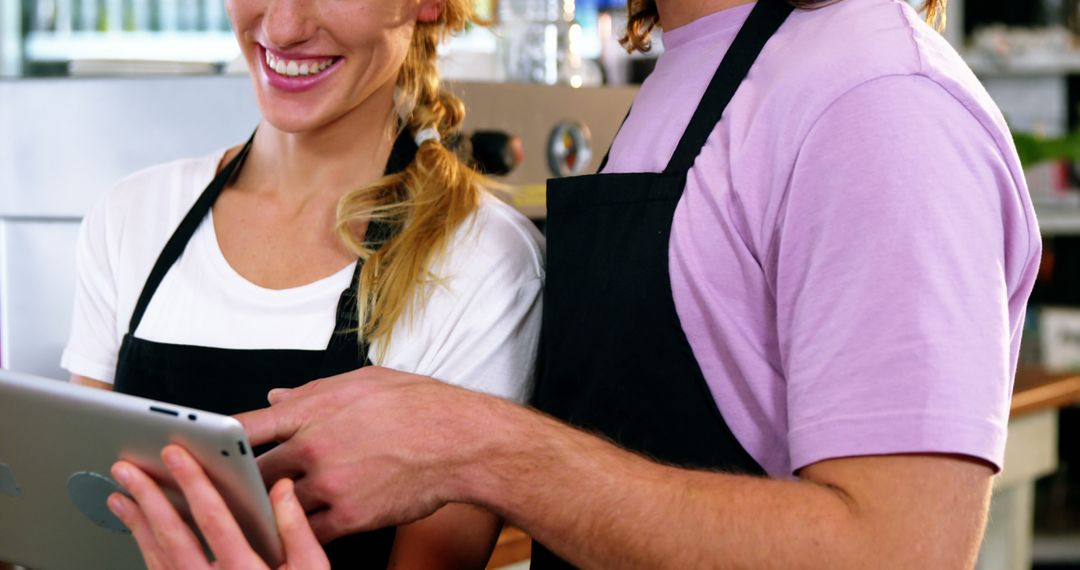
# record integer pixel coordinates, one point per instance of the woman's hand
(167, 543)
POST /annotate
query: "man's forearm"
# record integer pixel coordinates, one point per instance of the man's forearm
(594, 504)
(599, 506)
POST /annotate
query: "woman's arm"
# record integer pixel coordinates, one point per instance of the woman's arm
(457, 536)
(84, 381)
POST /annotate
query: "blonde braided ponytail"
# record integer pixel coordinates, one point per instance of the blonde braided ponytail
(425, 203)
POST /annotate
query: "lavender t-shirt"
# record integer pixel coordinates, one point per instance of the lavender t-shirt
(855, 247)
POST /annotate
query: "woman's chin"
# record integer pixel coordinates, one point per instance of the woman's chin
(293, 120)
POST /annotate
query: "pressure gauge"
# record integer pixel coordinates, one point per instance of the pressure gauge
(569, 149)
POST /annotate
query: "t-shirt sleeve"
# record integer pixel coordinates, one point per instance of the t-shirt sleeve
(94, 341)
(480, 324)
(904, 259)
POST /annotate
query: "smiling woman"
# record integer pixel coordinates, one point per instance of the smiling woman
(342, 234)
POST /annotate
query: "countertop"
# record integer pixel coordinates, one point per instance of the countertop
(1037, 390)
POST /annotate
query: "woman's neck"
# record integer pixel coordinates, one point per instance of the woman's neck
(676, 13)
(327, 162)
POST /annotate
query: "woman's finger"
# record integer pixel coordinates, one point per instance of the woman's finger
(177, 541)
(302, 549)
(133, 518)
(211, 514)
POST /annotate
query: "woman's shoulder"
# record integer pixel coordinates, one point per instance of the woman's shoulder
(139, 213)
(162, 188)
(497, 238)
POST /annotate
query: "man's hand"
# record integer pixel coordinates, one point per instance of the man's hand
(167, 543)
(371, 448)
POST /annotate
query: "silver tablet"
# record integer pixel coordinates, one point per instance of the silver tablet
(57, 443)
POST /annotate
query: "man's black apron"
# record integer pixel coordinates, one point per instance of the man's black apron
(615, 359)
(230, 381)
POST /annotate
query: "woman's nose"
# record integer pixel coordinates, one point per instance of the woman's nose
(288, 23)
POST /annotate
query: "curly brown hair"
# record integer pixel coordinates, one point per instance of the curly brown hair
(643, 17)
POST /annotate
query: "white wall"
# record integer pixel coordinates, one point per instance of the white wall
(62, 143)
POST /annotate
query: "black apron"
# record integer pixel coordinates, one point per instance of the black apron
(615, 359)
(230, 381)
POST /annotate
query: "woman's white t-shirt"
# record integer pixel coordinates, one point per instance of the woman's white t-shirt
(477, 328)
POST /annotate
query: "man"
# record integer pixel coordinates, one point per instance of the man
(792, 346)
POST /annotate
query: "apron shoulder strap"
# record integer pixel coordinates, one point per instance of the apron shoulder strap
(178, 241)
(345, 351)
(763, 21)
(607, 155)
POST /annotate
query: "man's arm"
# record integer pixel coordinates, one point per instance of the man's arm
(599, 506)
(382, 447)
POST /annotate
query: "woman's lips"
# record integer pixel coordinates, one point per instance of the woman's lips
(295, 74)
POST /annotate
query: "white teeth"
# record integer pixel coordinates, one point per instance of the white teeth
(294, 68)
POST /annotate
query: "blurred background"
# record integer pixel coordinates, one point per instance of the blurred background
(91, 90)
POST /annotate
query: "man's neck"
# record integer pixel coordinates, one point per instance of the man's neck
(676, 13)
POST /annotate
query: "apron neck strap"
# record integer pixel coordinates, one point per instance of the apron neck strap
(178, 241)
(345, 351)
(764, 20)
(402, 153)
